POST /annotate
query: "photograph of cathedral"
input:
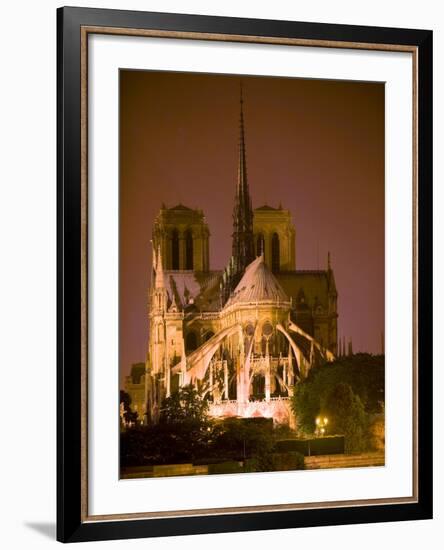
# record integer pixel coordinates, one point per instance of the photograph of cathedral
(245, 363)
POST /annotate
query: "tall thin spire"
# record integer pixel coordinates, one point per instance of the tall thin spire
(242, 182)
(243, 242)
(159, 269)
(350, 348)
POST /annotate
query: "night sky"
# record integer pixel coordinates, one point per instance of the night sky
(316, 146)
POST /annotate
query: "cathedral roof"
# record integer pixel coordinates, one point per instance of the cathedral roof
(258, 284)
(197, 288)
(308, 288)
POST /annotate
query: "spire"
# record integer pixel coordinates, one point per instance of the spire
(242, 183)
(154, 255)
(159, 269)
(328, 261)
(153, 268)
(243, 242)
(350, 348)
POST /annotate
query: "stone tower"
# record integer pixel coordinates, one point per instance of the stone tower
(274, 236)
(183, 237)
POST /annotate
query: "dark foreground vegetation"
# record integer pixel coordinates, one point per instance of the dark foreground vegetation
(186, 434)
(349, 392)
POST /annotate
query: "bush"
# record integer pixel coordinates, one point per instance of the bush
(243, 438)
(327, 445)
(165, 443)
(377, 432)
(292, 445)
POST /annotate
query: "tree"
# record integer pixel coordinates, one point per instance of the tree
(348, 413)
(347, 416)
(184, 423)
(305, 404)
(240, 438)
(129, 416)
(184, 406)
(364, 373)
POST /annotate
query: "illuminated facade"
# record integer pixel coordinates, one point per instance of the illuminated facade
(243, 336)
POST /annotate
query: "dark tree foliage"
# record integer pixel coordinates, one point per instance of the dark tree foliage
(179, 438)
(363, 374)
(129, 415)
(242, 438)
(347, 416)
(183, 406)
(183, 434)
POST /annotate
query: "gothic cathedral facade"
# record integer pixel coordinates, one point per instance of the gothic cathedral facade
(245, 335)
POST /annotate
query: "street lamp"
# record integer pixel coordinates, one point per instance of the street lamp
(321, 425)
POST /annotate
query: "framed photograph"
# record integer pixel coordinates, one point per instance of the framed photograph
(244, 274)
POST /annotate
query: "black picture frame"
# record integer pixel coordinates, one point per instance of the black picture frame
(71, 523)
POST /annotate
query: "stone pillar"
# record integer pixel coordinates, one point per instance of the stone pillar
(239, 392)
(267, 373)
(197, 253)
(168, 379)
(290, 368)
(267, 251)
(207, 254)
(181, 251)
(211, 378)
(226, 379)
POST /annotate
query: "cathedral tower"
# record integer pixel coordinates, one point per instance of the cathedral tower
(274, 236)
(183, 237)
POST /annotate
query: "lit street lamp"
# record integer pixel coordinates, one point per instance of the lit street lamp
(321, 426)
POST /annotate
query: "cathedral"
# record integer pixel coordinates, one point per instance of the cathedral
(245, 335)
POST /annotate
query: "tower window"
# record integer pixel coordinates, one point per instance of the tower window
(175, 249)
(260, 245)
(275, 253)
(188, 250)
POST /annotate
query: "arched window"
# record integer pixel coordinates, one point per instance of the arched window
(260, 245)
(275, 253)
(188, 250)
(175, 249)
(191, 341)
(258, 386)
(267, 329)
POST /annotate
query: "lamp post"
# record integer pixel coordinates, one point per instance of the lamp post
(321, 426)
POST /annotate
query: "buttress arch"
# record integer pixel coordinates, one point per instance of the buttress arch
(195, 365)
